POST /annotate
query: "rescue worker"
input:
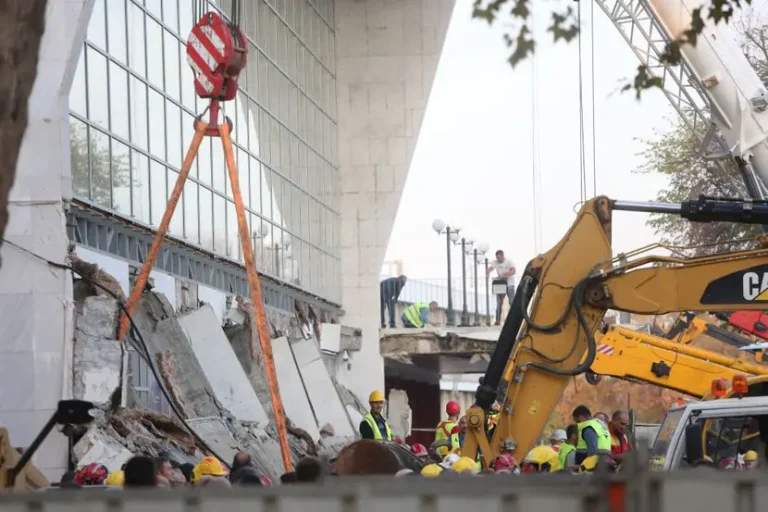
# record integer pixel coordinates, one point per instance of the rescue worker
(417, 315)
(541, 459)
(556, 438)
(617, 428)
(374, 425)
(431, 470)
(566, 457)
(116, 479)
(750, 460)
(448, 429)
(420, 451)
(505, 463)
(462, 429)
(466, 465)
(594, 438)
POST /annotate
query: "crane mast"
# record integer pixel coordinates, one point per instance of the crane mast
(715, 91)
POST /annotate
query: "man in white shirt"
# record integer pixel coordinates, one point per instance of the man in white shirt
(505, 269)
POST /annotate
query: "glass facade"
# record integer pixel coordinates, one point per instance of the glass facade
(132, 108)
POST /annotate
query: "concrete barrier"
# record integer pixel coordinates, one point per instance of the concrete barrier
(693, 490)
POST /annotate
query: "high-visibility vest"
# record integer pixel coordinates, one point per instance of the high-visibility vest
(603, 437)
(562, 455)
(413, 314)
(444, 431)
(371, 421)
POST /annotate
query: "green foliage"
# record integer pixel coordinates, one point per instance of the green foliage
(565, 26)
(105, 173)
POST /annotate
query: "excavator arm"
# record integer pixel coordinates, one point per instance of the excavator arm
(636, 356)
(548, 338)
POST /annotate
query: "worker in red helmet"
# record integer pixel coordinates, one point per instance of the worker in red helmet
(448, 429)
(92, 474)
(420, 451)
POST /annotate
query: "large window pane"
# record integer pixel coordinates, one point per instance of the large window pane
(140, 166)
(218, 167)
(190, 211)
(244, 177)
(177, 221)
(77, 101)
(233, 241)
(158, 187)
(78, 150)
(121, 177)
(97, 32)
(136, 49)
(173, 133)
(172, 73)
(139, 113)
(219, 224)
(266, 193)
(98, 99)
(118, 100)
(204, 160)
(255, 183)
(154, 53)
(187, 80)
(171, 14)
(116, 28)
(156, 124)
(206, 218)
(101, 180)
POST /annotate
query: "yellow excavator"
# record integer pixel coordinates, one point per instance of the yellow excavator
(548, 336)
(632, 355)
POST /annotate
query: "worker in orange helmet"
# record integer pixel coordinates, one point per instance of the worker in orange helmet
(448, 429)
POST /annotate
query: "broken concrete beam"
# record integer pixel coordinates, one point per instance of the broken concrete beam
(248, 352)
(293, 389)
(97, 446)
(221, 367)
(459, 341)
(97, 355)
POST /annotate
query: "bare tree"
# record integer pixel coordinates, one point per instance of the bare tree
(23, 23)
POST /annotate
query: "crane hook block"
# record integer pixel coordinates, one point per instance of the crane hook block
(217, 52)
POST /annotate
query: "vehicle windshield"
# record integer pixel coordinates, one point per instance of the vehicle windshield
(668, 427)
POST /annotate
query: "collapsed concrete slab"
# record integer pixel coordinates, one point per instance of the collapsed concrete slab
(97, 354)
(293, 389)
(220, 365)
(320, 388)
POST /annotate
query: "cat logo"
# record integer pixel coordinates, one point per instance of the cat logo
(755, 286)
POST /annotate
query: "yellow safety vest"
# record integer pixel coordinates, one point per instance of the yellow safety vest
(603, 437)
(413, 314)
(371, 421)
(442, 432)
(562, 454)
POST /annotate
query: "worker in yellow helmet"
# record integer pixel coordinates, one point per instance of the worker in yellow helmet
(448, 429)
(466, 465)
(542, 459)
(750, 460)
(374, 425)
(589, 465)
(210, 466)
(431, 470)
(117, 478)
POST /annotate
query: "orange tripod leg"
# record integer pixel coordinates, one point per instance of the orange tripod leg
(257, 299)
(154, 250)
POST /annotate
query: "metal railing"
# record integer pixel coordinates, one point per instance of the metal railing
(428, 290)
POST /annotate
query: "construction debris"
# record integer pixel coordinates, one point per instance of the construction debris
(215, 379)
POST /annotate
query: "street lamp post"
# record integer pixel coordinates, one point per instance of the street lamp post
(465, 249)
(487, 292)
(450, 237)
(478, 253)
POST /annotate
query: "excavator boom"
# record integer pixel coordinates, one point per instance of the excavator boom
(548, 338)
(633, 355)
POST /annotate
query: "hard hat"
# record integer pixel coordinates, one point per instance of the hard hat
(465, 465)
(449, 460)
(750, 456)
(376, 396)
(452, 408)
(419, 450)
(589, 464)
(208, 466)
(558, 435)
(92, 474)
(504, 463)
(431, 470)
(404, 472)
(117, 478)
(544, 457)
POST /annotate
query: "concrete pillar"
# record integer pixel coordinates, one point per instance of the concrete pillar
(386, 58)
(36, 299)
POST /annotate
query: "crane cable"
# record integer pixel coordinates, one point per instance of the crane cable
(592, 72)
(534, 144)
(582, 155)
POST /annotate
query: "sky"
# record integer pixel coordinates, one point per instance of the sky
(475, 155)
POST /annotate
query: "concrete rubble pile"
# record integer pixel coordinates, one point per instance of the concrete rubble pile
(214, 375)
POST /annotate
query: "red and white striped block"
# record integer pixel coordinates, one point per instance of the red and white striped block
(605, 349)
